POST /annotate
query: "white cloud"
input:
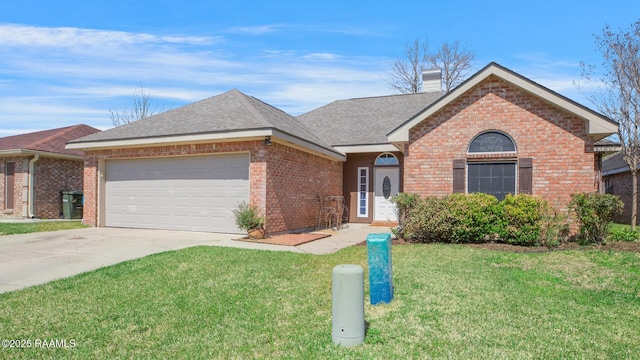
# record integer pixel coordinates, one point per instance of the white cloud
(22, 35)
(93, 71)
(255, 30)
(321, 56)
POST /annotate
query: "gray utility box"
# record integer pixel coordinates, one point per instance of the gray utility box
(72, 203)
(348, 305)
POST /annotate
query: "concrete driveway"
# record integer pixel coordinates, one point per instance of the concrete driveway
(37, 258)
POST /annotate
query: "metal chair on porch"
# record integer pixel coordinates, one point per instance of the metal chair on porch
(332, 211)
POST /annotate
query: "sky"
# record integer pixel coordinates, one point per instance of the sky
(68, 62)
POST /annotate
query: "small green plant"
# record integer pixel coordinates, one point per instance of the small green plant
(594, 212)
(248, 217)
(622, 234)
(405, 203)
(554, 227)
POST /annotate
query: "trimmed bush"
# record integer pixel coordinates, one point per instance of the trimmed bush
(522, 216)
(475, 217)
(428, 221)
(594, 212)
(478, 218)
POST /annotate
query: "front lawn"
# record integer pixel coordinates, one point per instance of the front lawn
(38, 226)
(451, 302)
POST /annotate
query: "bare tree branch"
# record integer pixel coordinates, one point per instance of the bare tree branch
(618, 96)
(141, 107)
(406, 72)
(454, 62)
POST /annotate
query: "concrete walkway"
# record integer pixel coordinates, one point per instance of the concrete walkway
(37, 258)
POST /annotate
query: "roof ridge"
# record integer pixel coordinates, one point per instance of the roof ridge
(53, 136)
(243, 98)
(391, 95)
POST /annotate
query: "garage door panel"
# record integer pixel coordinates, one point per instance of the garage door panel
(185, 193)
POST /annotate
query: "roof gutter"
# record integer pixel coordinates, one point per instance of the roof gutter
(20, 152)
(32, 166)
(230, 136)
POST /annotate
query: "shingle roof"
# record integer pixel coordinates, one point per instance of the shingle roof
(365, 121)
(614, 164)
(53, 140)
(227, 112)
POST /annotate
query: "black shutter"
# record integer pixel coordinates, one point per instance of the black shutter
(525, 176)
(459, 166)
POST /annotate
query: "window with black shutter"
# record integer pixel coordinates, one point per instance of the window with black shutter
(492, 167)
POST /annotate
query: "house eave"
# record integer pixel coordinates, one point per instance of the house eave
(607, 149)
(615, 171)
(233, 136)
(365, 148)
(49, 154)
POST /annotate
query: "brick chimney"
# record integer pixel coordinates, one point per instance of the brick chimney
(432, 80)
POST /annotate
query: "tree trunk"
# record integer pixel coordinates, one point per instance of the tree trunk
(634, 199)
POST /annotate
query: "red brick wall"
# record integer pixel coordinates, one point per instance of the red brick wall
(295, 182)
(621, 185)
(21, 171)
(557, 141)
(283, 181)
(51, 177)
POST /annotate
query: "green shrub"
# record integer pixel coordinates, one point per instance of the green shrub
(523, 219)
(594, 212)
(475, 217)
(404, 204)
(429, 221)
(248, 217)
(478, 218)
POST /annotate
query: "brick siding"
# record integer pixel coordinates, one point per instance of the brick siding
(621, 185)
(284, 182)
(51, 177)
(20, 172)
(557, 141)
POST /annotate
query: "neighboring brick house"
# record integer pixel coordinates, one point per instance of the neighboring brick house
(498, 132)
(36, 167)
(617, 180)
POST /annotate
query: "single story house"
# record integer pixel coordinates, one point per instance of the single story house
(186, 169)
(617, 180)
(36, 167)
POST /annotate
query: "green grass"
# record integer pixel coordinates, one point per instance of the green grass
(40, 226)
(450, 302)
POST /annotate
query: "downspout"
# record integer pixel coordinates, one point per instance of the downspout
(32, 166)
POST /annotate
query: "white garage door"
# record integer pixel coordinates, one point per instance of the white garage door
(178, 193)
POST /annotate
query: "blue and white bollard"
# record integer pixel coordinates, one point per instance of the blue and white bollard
(380, 276)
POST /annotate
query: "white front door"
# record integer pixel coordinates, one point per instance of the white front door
(387, 185)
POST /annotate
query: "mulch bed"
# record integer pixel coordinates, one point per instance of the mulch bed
(288, 239)
(611, 245)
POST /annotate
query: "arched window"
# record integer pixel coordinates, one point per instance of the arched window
(386, 159)
(492, 142)
(492, 176)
